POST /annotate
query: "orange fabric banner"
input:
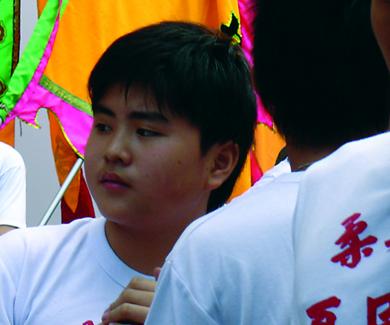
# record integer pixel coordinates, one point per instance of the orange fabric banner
(76, 202)
(64, 159)
(7, 134)
(88, 27)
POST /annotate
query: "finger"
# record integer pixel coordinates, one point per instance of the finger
(126, 313)
(156, 272)
(139, 283)
(132, 296)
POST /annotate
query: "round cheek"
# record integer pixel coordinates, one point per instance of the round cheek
(170, 178)
(89, 167)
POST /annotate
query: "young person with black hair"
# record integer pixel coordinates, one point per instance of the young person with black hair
(174, 114)
(342, 225)
(322, 77)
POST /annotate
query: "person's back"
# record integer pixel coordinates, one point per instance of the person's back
(166, 146)
(316, 73)
(342, 236)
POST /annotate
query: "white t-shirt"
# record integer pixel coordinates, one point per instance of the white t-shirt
(234, 266)
(342, 237)
(65, 274)
(12, 187)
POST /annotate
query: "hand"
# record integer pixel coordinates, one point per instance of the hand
(132, 306)
(4, 229)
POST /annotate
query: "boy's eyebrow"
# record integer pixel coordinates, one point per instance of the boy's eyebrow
(99, 109)
(135, 115)
(149, 116)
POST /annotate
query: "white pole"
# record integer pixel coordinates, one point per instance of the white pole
(61, 192)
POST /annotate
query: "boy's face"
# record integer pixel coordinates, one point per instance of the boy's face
(145, 168)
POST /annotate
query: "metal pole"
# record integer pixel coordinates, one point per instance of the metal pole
(77, 165)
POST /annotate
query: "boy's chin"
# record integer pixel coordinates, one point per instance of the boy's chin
(128, 221)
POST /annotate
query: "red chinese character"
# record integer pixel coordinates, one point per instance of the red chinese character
(319, 313)
(387, 243)
(88, 322)
(351, 256)
(373, 307)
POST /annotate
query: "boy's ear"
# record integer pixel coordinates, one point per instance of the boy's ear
(223, 160)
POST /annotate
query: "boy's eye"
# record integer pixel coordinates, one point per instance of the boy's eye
(147, 133)
(102, 128)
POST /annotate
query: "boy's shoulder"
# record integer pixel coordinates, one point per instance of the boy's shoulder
(54, 230)
(41, 267)
(46, 238)
(26, 252)
(9, 157)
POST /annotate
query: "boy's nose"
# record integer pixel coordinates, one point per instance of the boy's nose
(118, 151)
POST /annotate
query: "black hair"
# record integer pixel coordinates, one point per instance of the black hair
(192, 72)
(319, 70)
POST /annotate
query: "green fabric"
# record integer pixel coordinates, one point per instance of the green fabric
(63, 7)
(73, 100)
(6, 42)
(31, 57)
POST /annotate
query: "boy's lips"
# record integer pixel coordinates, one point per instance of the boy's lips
(113, 181)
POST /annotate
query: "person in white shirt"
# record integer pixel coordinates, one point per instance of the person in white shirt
(174, 117)
(12, 189)
(342, 226)
(317, 67)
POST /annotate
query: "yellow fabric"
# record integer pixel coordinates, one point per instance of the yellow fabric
(244, 181)
(268, 144)
(88, 27)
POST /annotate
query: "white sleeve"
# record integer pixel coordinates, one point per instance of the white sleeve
(174, 304)
(12, 188)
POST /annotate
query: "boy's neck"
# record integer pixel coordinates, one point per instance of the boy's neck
(143, 250)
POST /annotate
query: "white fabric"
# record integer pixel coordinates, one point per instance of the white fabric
(12, 187)
(65, 274)
(234, 266)
(354, 179)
